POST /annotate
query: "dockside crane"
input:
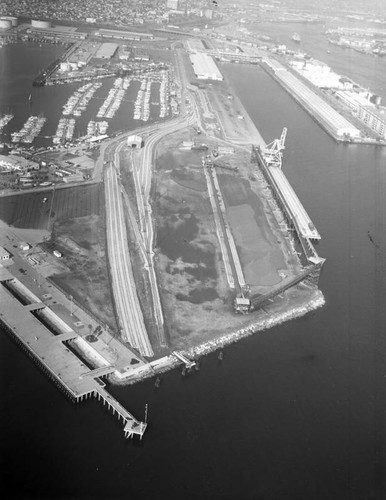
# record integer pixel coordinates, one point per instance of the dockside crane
(273, 152)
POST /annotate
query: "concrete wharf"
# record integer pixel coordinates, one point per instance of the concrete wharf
(287, 199)
(53, 353)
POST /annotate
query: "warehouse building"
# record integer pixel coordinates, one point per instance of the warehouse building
(204, 67)
(134, 141)
(318, 106)
(123, 35)
(365, 111)
(106, 51)
(4, 255)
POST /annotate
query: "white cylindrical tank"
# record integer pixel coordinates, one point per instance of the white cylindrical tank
(36, 23)
(5, 24)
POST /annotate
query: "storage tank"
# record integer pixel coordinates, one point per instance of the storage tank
(36, 23)
(13, 19)
(5, 24)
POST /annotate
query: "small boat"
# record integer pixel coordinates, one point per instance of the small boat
(296, 37)
(157, 382)
(220, 356)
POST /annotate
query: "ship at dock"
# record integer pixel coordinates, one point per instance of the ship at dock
(296, 37)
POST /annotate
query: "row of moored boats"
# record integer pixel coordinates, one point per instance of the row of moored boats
(30, 130)
(79, 101)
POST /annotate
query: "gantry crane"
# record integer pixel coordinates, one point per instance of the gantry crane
(273, 152)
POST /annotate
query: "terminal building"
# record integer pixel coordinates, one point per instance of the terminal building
(204, 67)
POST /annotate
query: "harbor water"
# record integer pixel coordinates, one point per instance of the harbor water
(295, 412)
(20, 63)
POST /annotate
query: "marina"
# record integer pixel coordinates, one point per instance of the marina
(30, 130)
(114, 98)
(78, 102)
(4, 120)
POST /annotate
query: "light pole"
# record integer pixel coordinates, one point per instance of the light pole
(70, 297)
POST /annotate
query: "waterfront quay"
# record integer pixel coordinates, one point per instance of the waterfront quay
(54, 349)
(322, 111)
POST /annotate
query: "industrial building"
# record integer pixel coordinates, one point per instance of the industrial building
(367, 112)
(134, 141)
(319, 108)
(5, 24)
(123, 35)
(13, 20)
(172, 4)
(36, 23)
(4, 255)
(204, 67)
(45, 28)
(106, 51)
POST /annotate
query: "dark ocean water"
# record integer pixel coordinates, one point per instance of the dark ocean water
(297, 412)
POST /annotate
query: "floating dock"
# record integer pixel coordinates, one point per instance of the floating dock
(53, 353)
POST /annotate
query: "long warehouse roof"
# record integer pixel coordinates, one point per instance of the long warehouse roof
(298, 212)
(205, 67)
(318, 105)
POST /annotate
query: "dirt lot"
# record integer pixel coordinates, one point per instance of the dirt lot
(197, 303)
(235, 122)
(82, 243)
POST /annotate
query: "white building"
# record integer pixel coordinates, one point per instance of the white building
(204, 67)
(106, 50)
(172, 4)
(4, 255)
(24, 246)
(363, 109)
(134, 141)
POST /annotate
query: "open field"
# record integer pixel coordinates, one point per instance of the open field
(82, 242)
(29, 210)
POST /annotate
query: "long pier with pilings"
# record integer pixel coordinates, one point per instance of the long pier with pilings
(53, 353)
(291, 208)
